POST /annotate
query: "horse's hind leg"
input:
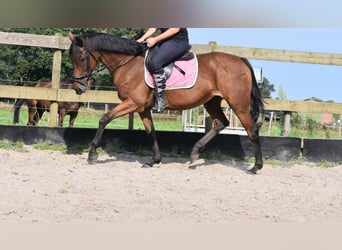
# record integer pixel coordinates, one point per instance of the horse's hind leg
(252, 130)
(72, 119)
(32, 114)
(219, 123)
(61, 117)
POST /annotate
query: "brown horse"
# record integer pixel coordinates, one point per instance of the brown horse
(36, 108)
(220, 76)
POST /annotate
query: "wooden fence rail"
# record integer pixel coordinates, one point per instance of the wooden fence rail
(63, 43)
(103, 96)
(54, 42)
(59, 43)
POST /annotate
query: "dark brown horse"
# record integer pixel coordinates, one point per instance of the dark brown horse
(36, 108)
(220, 76)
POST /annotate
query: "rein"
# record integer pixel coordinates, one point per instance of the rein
(122, 64)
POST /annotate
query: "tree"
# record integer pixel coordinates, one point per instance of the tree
(285, 116)
(281, 93)
(266, 88)
(25, 63)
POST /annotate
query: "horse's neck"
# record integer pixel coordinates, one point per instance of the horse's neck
(42, 84)
(65, 85)
(114, 61)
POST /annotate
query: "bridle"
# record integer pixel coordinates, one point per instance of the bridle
(83, 79)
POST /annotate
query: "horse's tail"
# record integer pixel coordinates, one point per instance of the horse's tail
(17, 106)
(257, 104)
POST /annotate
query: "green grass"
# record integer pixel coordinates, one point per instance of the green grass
(50, 146)
(17, 146)
(89, 118)
(301, 132)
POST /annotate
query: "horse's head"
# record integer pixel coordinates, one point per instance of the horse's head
(83, 62)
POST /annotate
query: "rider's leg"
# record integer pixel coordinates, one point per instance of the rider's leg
(160, 82)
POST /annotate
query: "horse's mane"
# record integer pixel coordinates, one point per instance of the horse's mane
(103, 41)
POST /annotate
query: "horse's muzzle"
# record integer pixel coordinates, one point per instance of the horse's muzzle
(78, 91)
(80, 88)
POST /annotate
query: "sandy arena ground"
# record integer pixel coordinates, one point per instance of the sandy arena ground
(51, 186)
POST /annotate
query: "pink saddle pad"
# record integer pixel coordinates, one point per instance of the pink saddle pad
(178, 80)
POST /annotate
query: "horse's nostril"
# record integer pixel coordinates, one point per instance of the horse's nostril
(78, 91)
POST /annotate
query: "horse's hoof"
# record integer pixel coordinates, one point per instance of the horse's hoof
(151, 164)
(147, 165)
(253, 170)
(92, 158)
(193, 158)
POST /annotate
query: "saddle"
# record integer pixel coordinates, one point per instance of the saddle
(169, 68)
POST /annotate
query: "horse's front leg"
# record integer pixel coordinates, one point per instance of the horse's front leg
(61, 116)
(93, 155)
(146, 118)
(123, 108)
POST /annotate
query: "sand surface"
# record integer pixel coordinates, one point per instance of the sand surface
(51, 186)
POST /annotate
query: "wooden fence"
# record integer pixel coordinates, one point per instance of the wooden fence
(60, 43)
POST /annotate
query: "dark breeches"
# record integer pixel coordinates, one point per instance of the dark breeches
(166, 53)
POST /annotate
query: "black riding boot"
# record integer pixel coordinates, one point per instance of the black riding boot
(160, 102)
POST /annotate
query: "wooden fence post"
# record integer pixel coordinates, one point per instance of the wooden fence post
(56, 72)
(339, 127)
(269, 131)
(212, 45)
(287, 123)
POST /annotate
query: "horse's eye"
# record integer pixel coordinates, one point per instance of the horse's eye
(82, 56)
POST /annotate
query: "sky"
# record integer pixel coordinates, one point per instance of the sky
(299, 81)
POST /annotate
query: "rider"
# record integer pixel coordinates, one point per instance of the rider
(172, 43)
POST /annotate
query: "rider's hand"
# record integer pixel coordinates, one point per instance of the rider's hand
(151, 42)
(141, 40)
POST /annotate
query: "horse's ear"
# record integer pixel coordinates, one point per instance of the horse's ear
(78, 41)
(71, 36)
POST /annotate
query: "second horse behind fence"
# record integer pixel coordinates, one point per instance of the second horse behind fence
(36, 108)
